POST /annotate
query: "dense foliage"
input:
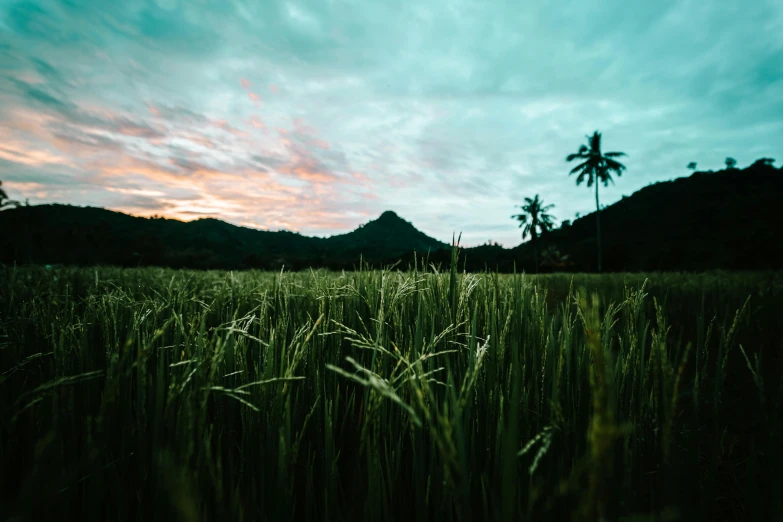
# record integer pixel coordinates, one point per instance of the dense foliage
(152, 394)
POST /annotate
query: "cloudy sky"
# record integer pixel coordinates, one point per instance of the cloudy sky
(319, 115)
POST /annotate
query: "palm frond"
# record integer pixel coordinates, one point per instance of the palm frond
(581, 167)
(581, 153)
(534, 218)
(614, 165)
(546, 224)
(597, 166)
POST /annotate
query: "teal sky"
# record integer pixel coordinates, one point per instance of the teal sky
(319, 115)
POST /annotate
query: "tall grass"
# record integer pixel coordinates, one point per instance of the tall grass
(146, 394)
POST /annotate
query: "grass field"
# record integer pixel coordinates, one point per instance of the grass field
(150, 394)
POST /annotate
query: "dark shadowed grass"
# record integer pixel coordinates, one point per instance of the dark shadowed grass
(146, 394)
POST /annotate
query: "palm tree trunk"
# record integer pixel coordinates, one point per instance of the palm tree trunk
(535, 254)
(598, 223)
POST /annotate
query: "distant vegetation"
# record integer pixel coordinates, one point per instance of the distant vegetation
(731, 163)
(4, 201)
(534, 221)
(710, 220)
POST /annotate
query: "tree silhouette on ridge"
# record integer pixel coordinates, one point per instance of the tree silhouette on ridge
(596, 166)
(534, 220)
(4, 201)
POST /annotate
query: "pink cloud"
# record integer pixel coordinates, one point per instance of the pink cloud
(138, 131)
(26, 138)
(256, 122)
(274, 89)
(287, 225)
(201, 140)
(194, 168)
(24, 121)
(253, 224)
(125, 165)
(15, 153)
(102, 145)
(22, 185)
(227, 127)
(253, 96)
(245, 83)
(301, 128)
(301, 163)
(362, 177)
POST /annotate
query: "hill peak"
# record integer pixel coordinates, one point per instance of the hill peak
(389, 215)
(390, 222)
(388, 233)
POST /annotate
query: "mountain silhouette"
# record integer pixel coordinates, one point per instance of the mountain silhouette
(727, 219)
(65, 234)
(388, 235)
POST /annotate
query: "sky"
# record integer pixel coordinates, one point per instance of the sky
(319, 115)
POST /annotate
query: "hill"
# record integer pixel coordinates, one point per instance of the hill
(728, 219)
(65, 234)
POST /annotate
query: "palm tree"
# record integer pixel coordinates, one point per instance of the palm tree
(534, 221)
(553, 258)
(596, 166)
(4, 201)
